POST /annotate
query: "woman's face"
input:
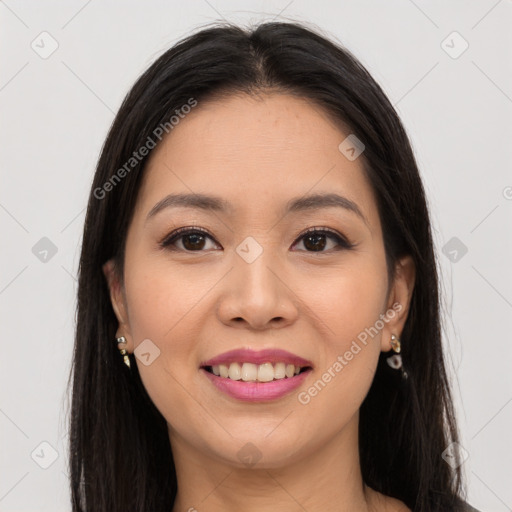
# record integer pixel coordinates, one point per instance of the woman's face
(252, 281)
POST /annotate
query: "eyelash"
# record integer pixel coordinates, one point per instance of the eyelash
(342, 242)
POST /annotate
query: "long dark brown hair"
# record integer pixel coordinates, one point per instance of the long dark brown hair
(120, 455)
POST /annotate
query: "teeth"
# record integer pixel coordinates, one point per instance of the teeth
(266, 372)
(279, 371)
(249, 372)
(235, 371)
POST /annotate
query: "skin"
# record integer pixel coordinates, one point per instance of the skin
(258, 153)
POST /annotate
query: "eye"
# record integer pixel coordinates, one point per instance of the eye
(195, 239)
(192, 239)
(315, 240)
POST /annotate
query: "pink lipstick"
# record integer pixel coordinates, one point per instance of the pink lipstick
(256, 376)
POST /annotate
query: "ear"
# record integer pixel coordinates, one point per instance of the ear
(118, 300)
(399, 300)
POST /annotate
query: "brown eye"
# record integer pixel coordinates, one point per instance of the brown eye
(315, 240)
(192, 240)
(196, 240)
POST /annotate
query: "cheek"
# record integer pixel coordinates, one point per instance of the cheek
(359, 298)
(159, 299)
(162, 307)
(348, 299)
(349, 303)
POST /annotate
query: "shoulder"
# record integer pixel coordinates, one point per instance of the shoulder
(466, 507)
(460, 506)
(395, 505)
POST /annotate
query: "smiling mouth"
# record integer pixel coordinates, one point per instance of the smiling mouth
(249, 372)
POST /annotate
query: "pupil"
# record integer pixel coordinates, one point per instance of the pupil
(195, 244)
(315, 245)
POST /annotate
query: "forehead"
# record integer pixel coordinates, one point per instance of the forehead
(254, 152)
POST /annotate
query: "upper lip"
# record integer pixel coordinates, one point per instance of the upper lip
(245, 355)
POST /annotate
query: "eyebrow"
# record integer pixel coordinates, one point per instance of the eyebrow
(217, 204)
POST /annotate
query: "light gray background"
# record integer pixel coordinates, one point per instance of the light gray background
(55, 114)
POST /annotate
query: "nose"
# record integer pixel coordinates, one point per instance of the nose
(257, 295)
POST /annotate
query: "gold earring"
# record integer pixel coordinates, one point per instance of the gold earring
(395, 361)
(395, 343)
(126, 359)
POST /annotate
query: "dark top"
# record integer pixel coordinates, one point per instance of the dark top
(469, 508)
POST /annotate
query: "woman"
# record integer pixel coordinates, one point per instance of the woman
(258, 316)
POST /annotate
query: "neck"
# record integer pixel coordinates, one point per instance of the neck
(328, 477)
